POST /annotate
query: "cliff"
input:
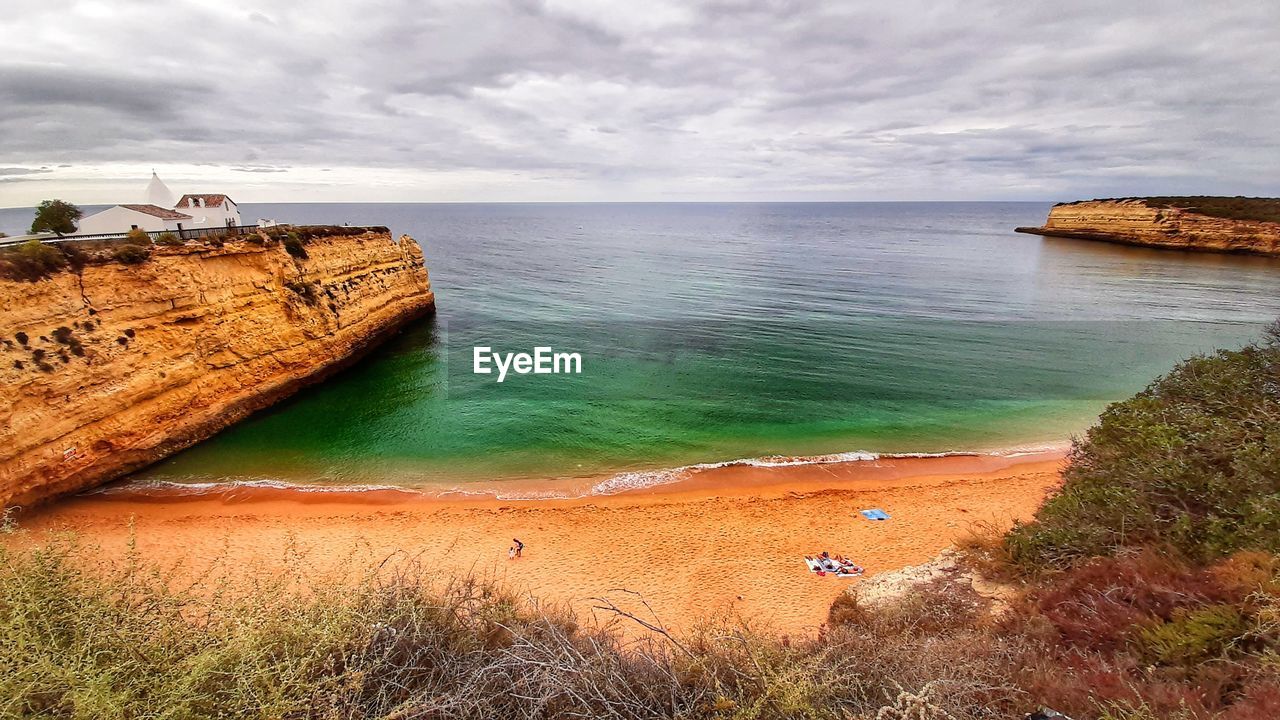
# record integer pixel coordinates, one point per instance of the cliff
(1161, 223)
(111, 366)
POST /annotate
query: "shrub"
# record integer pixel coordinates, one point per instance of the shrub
(131, 254)
(293, 245)
(1247, 572)
(31, 261)
(845, 610)
(1098, 604)
(168, 239)
(138, 236)
(1193, 635)
(1192, 461)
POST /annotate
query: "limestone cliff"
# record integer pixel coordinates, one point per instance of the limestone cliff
(113, 366)
(1140, 222)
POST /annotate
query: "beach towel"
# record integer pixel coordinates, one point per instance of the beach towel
(875, 514)
(816, 566)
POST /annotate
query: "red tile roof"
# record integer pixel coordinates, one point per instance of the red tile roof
(209, 199)
(157, 211)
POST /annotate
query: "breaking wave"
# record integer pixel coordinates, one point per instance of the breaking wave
(612, 485)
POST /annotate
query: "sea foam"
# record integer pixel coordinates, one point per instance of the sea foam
(618, 483)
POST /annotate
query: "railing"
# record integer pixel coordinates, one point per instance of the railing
(183, 234)
(193, 233)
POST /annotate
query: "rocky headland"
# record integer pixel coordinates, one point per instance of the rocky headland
(1210, 224)
(109, 364)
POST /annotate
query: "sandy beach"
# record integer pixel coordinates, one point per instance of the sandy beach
(729, 539)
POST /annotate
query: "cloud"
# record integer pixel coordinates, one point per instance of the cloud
(139, 97)
(10, 171)
(584, 100)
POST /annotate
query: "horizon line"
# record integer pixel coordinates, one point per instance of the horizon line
(588, 202)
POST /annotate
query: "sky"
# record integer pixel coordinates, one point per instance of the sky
(582, 100)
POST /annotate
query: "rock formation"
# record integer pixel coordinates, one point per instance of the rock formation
(110, 367)
(1136, 221)
(948, 571)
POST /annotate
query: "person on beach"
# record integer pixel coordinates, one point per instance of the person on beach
(519, 546)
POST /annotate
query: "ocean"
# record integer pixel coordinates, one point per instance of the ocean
(713, 333)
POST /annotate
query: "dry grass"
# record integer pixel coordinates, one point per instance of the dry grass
(80, 637)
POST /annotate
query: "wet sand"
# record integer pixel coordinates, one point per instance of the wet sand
(730, 539)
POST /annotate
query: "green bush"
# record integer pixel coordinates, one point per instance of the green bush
(138, 236)
(168, 239)
(131, 254)
(294, 246)
(1194, 635)
(1192, 462)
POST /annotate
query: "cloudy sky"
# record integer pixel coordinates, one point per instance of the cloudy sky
(408, 100)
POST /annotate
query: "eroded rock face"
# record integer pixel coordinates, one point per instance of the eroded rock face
(945, 571)
(1132, 222)
(114, 367)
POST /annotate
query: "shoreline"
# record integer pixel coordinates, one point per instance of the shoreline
(730, 540)
(741, 472)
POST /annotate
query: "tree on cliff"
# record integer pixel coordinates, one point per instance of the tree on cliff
(56, 216)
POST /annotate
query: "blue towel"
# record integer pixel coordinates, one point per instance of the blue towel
(875, 514)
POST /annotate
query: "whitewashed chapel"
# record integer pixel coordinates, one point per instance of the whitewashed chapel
(159, 212)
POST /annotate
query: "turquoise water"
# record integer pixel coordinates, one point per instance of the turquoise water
(713, 332)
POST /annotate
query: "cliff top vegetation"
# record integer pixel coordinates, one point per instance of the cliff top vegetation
(1191, 463)
(1257, 209)
(33, 260)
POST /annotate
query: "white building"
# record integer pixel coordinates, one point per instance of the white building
(158, 193)
(123, 218)
(209, 210)
(160, 213)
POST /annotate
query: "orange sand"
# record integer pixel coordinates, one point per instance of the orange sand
(729, 539)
